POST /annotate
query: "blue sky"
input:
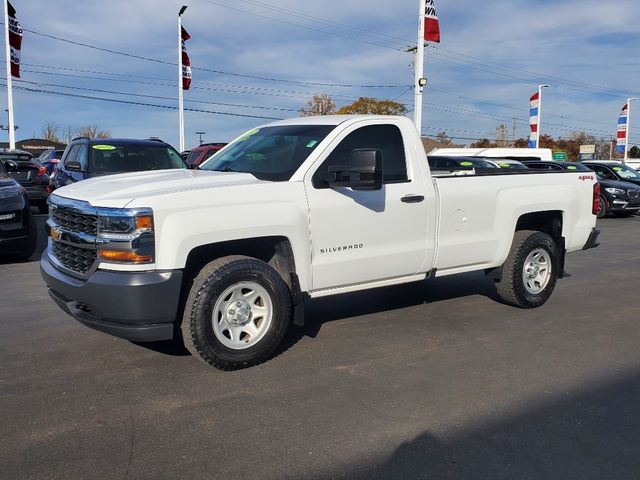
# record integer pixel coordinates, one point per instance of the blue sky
(492, 57)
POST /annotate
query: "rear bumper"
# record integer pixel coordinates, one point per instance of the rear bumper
(592, 241)
(137, 306)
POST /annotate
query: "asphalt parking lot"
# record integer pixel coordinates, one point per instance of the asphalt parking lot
(431, 380)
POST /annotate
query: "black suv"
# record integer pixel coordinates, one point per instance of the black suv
(17, 227)
(617, 197)
(30, 174)
(87, 158)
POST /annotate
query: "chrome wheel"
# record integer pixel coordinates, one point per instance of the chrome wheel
(242, 315)
(536, 272)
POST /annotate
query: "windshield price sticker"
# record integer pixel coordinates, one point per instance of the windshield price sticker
(103, 147)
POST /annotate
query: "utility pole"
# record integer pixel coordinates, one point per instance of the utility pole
(200, 134)
(540, 87)
(513, 135)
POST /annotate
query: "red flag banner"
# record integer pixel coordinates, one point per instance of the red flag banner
(15, 41)
(186, 63)
(431, 23)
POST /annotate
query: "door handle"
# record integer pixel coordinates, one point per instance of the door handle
(412, 198)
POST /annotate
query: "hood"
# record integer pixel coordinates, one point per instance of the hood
(116, 191)
(625, 185)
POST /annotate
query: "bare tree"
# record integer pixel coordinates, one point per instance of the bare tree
(68, 134)
(321, 104)
(443, 138)
(50, 131)
(93, 131)
(501, 135)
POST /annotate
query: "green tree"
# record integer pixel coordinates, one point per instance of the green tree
(373, 106)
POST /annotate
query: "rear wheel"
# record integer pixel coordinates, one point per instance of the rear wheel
(237, 313)
(530, 272)
(603, 207)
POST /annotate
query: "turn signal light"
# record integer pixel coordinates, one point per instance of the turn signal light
(41, 171)
(120, 256)
(144, 222)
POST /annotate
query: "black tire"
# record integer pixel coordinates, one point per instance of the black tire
(213, 280)
(603, 207)
(511, 287)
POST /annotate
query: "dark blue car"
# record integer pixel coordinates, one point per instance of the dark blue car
(87, 158)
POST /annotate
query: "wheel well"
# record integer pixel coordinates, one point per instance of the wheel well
(275, 251)
(549, 222)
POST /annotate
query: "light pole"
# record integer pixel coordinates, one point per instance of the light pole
(180, 89)
(540, 87)
(626, 144)
(200, 135)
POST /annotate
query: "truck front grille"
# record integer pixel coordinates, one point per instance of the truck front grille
(73, 258)
(74, 221)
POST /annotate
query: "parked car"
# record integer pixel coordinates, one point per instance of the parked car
(18, 234)
(224, 257)
(49, 159)
(199, 155)
(613, 170)
(451, 164)
(509, 163)
(86, 158)
(619, 198)
(31, 175)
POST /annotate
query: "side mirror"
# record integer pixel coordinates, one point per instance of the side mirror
(73, 166)
(364, 171)
(10, 166)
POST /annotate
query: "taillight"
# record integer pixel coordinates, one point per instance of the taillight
(596, 199)
(42, 171)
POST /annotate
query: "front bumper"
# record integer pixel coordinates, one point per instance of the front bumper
(619, 205)
(137, 306)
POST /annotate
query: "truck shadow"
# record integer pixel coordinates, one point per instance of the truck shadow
(323, 310)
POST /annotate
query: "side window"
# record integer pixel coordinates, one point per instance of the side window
(387, 138)
(83, 156)
(73, 153)
(604, 172)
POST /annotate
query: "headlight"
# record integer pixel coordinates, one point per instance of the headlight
(615, 191)
(126, 235)
(12, 191)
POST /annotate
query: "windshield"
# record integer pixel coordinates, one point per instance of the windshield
(107, 158)
(625, 172)
(270, 153)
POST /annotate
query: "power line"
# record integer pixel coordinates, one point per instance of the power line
(202, 69)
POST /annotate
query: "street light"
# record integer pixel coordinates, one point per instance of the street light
(540, 87)
(200, 135)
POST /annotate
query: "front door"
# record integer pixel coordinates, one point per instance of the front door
(364, 236)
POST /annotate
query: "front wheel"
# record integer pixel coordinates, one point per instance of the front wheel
(237, 313)
(530, 272)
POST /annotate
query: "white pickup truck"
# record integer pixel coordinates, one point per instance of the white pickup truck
(225, 256)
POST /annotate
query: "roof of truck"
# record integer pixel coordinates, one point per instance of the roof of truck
(332, 119)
